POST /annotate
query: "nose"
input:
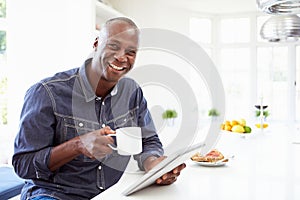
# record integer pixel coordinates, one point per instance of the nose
(120, 56)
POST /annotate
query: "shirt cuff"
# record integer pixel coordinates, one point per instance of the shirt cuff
(142, 157)
(40, 162)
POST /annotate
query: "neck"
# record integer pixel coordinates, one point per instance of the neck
(104, 88)
(101, 87)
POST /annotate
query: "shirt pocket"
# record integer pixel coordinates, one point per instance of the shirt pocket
(125, 120)
(75, 127)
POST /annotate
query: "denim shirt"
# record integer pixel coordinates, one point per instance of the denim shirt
(64, 106)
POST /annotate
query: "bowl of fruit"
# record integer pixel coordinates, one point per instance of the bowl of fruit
(236, 126)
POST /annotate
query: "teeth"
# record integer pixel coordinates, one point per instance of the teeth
(116, 67)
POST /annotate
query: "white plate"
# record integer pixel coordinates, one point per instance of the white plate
(210, 164)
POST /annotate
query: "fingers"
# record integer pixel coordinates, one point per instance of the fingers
(96, 143)
(166, 180)
(100, 155)
(106, 131)
(179, 168)
(171, 176)
(101, 151)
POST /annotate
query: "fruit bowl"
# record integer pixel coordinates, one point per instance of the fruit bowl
(236, 126)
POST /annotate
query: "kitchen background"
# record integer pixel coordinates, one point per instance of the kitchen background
(39, 38)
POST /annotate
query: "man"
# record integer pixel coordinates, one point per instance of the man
(62, 147)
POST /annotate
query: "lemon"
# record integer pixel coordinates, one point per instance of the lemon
(242, 122)
(264, 125)
(222, 126)
(227, 122)
(238, 129)
(234, 122)
(227, 127)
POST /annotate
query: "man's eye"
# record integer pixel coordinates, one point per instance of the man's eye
(113, 46)
(131, 53)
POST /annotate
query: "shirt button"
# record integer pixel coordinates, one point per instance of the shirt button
(101, 188)
(80, 124)
(100, 167)
(103, 125)
(103, 103)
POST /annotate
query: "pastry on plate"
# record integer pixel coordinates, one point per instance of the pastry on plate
(212, 156)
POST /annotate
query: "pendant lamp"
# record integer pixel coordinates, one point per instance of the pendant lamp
(279, 6)
(280, 28)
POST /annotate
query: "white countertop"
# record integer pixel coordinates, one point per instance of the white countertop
(266, 166)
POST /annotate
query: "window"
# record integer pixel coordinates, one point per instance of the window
(3, 100)
(298, 83)
(235, 30)
(2, 9)
(2, 42)
(252, 68)
(272, 80)
(235, 66)
(3, 78)
(2, 27)
(6, 139)
(200, 30)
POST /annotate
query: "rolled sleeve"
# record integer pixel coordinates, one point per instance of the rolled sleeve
(34, 140)
(151, 147)
(40, 162)
(141, 158)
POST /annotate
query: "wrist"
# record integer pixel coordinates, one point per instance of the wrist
(77, 145)
(148, 163)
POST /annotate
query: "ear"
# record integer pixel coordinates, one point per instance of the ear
(95, 45)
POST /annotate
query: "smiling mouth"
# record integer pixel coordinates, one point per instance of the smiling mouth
(116, 67)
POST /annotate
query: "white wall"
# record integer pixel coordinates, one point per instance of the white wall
(154, 14)
(45, 37)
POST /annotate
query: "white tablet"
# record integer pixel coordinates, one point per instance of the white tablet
(163, 167)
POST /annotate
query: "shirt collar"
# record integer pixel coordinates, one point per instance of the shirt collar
(87, 89)
(114, 90)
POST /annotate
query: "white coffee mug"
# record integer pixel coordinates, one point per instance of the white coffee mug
(129, 141)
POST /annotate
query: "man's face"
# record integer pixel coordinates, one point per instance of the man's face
(116, 51)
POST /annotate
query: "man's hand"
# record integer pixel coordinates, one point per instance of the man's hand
(92, 144)
(95, 144)
(167, 178)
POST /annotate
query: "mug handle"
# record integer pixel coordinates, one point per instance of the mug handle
(111, 146)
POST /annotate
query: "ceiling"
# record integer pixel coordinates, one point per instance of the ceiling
(203, 6)
(216, 6)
